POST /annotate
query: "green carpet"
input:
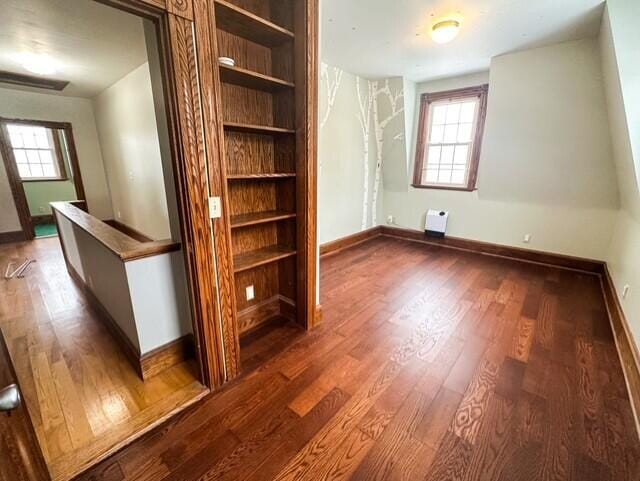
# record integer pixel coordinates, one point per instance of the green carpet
(46, 230)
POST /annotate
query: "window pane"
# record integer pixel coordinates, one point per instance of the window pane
(432, 175)
(45, 157)
(457, 177)
(464, 132)
(461, 155)
(444, 176)
(439, 114)
(16, 139)
(42, 140)
(450, 133)
(29, 140)
(23, 170)
(36, 170)
(447, 154)
(49, 170)
(453, 113)
(467, 112)
(434, 155)
(33, 157)
(21, 157)
(437, 134)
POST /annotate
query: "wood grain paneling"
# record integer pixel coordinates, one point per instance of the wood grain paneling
(227, 338)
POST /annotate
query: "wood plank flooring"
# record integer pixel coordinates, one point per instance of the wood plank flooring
(431, 364)
(84, 397)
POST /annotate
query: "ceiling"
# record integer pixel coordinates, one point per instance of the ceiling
(385, 38)
(93, 44)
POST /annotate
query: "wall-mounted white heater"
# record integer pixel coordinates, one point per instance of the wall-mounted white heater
(436, 223)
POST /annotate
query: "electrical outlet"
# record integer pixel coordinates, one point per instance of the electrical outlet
(250, 293)
(41, 209)
(90, 281)
(119, 214)
(131, 175)
(625, 291)
(527, 238)
(389, 219)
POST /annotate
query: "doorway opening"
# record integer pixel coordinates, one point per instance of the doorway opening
(41, 164)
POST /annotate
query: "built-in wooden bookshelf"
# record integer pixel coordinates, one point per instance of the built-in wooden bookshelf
(265, 155)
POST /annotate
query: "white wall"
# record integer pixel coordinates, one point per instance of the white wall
(103, 272)
(545, 167)
(127, 127)
(159, 298)
(147, 297)
(341, 159)
(77, 111)
(620, 46)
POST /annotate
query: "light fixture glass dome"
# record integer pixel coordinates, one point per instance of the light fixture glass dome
(445, 31)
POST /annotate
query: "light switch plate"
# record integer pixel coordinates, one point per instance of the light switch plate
(215, 207)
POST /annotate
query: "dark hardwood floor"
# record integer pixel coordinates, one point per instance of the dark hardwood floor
(432, 364)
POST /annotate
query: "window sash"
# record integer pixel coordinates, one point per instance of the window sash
(469, 144)
(29, 159)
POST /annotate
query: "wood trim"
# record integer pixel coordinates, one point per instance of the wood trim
(16, 182)
(13, 236)
(426, 100)
(187, 91)
(166, 356)
(122, 245)
(306, 105)
(557, 260)
(253, 317)
(627, 348)
(130, 231)
(131, 352)
(333, 247)
(17, 189)
(32, 81)
(229, 336)
(24, 458)
(319, 314)
(75, 173)
(42, 219)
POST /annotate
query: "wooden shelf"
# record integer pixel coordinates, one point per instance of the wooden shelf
(245, 24)
(252, 80)
(260, 257)
(245, 220)
(272, 176)
(257, 129)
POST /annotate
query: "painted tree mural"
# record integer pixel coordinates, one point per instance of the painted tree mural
(331, 76)
(365, 104)
(396, 107)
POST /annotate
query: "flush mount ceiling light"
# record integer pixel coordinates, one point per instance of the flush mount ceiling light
(445, 31)
(39, 64)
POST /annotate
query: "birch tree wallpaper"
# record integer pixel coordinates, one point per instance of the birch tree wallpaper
(361, 127)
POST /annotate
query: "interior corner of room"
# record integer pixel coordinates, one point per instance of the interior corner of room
(559, 167)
